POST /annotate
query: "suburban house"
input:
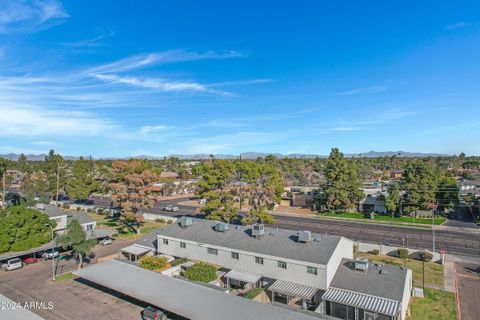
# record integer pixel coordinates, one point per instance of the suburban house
(302, 267)
(63, 219)
(373, 201)
(298, 196)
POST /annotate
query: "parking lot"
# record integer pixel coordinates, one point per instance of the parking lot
(69, 299)
(468, 281)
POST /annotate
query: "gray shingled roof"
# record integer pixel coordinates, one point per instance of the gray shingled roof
(276, 242)
(15, 313)
(149, 240)
(388, 284)
(82, 217)
(53, 211)
(183, 297)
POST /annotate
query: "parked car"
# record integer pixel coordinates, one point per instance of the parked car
(170, 208)
(12, 264)
(50, 255)
(106, 242)
(151, 313)
(202, 201)
(30, 260)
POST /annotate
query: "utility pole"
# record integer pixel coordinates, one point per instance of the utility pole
(3, 188)
(433, 226)
(58, 180)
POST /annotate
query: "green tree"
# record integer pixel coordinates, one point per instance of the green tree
(420, 185)
(201, 271)
(82, 182)
(342, 190)
(393, 198)
(23, 228)
(53, 163)
(447, 194)
(219, 206)
(76, 238)
(262, 216)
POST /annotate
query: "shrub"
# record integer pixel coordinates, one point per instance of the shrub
(153, 263)
(169, 221)
(422, 256)
(161, 220)
(375, 252)
(355, 248)
(252, 293)
(200, 271)
(402, 253)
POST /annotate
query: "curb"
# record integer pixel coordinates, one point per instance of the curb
(459, 310)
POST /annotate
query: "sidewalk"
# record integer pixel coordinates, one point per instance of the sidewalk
(449, 274)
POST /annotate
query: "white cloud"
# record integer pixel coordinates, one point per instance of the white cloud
(373, 89)
(154, 129)
(93, 42)
(458, 25)
(35, 121)
(23, 15)
(156, 83)
(157, 58)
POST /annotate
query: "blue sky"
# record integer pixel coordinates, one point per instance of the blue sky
(125, 78)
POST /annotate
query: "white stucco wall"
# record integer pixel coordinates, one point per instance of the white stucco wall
(296, 270)
(344, 250)
(61, 222)
(407, 292)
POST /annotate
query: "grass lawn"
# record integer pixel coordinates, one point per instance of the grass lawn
(65, 276)
(437, 305)
(252, 293)
(433, 270)
(382, 218)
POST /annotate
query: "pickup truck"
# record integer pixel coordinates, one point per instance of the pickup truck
(50, 255)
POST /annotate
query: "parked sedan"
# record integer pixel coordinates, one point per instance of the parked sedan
(30, 260)
(170, 208)
(50, 254)
(12, 264)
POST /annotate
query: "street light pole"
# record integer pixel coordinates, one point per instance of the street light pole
(433, 226)
(53, 251)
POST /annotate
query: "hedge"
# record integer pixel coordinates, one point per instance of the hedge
(153, 262)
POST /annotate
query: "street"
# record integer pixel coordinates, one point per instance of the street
(453, 242)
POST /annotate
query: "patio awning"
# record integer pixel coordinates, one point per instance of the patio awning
(363, 301)
(243, 276)
(293, 289)
(135, 250)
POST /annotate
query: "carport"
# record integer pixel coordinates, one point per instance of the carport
(135, 252)
(184, 298)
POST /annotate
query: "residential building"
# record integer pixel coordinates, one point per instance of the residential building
(373, 201)
(299, 196)
(361, 290)
(292, 266)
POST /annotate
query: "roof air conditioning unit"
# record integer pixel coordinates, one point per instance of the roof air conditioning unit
(258, 230)
(186, 222)
(221, 227)
(361, 264)
(304, 236)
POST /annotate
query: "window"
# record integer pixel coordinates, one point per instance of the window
(282, 264)
(212, 251)
(312, 270)
(258, 260)
(89, 227)
(165, 241)
(183, 245)
(235, 255)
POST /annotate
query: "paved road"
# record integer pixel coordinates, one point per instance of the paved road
(468, 282)
(32, 284)
(454, 242)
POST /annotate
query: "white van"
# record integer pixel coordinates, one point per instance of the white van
(12, 264)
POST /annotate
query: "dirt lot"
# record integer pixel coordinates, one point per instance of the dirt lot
(468, 282)
(71, 299)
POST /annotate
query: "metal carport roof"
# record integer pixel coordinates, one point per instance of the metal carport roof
(135, 249)
(11, 311)
(182, 297)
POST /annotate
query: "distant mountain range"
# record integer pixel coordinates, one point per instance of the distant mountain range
(245, 155)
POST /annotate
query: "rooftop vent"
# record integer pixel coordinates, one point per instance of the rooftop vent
(258, 230)
(186, 222)
(304, 236)
(383, 271)
(221, 227)
(361, 264)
